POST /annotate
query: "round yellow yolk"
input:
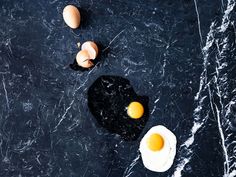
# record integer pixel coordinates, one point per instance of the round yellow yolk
(155, 142)
(135, 110)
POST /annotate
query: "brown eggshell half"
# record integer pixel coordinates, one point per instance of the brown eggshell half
(83, 59)
(92, 49)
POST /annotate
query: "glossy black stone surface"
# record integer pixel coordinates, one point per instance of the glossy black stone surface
(181, 54)
(108, 100)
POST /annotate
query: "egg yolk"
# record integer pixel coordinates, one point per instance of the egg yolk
(135, 110)
(155, 142)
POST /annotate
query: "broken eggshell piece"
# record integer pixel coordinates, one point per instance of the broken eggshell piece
(91, 47)
(89, 52)
(83, 59)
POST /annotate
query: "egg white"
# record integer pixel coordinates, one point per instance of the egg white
(159, 161)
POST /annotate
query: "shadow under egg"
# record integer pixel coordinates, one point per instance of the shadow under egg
(85, 17)
(74, 66)
(108, 99)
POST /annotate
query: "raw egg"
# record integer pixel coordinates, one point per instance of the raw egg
(108, 98)
(158, 149)
(135, 110)
(71, 16)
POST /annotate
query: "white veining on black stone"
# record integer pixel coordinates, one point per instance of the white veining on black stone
(220, 82)
(181, 54)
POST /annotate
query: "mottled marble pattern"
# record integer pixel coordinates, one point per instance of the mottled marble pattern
(181, 54)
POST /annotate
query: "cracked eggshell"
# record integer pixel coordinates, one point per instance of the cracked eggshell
(92, 49)
(83, 59)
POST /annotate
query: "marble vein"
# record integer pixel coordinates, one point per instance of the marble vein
(113, 40)
(198, 21)
(202, 94)
(5, 91)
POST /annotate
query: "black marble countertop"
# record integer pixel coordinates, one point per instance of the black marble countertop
(181, 54)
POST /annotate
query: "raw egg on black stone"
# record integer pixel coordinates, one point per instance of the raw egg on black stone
(109, 100)
(135, 110)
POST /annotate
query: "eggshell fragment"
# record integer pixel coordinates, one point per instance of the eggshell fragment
(78, 44)
(71, 16)
(92, 49)
(83, 59)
